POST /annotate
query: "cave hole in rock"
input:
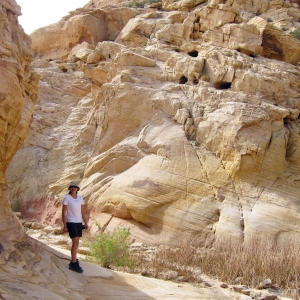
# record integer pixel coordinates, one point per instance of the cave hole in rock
(243, 51)
(272, 48)
(195, 81)
(193, 53)
(183, 80)
(222, 85)
(296, 1)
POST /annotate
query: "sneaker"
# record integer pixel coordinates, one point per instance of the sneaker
(77, 262)
(75, 267)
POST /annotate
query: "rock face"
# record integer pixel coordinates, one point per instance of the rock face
(180, 121)
(25, 266)
(83, 25)
(18, 94)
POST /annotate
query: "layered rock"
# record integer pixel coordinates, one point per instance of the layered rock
(25, 266)
(101, 3)
(18, 94)
(186, 123)
(29, 269)
(82, 25)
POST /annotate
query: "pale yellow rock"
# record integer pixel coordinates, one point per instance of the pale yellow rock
(76, 28)
(129, 58)
(101, 3)
(210, 18)
(18, 94)
(81, 52)
(140, 30)
(178, 137)
(276, 43)
(185, 123)
(243, 37)
(180, 5)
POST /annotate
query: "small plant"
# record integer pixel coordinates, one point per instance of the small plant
(111, 249)
(135, 3)
(153, 1)
(296, 34)
(269, 20)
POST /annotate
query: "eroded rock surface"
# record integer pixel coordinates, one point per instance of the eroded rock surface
(174, 122)
(29, 269)
(185, 122)
(82, 25)
(18, 94)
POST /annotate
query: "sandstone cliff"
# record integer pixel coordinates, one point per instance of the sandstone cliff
(28, 269)
(18, 95)
(24, 265)
(180, 120)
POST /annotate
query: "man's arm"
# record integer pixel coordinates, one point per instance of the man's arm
(84, 217)
(64, 219)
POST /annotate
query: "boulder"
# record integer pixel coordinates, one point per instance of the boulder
(92, 26)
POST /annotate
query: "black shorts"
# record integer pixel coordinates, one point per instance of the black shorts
(75, 229)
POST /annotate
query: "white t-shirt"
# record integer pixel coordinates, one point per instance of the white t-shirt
(73, 208)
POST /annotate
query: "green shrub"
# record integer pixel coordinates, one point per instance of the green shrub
(135, 3)
(153, 1)
(111, 249)
(296, 34)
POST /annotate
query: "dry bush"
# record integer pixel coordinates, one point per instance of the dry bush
(251, 262)
(179, 258)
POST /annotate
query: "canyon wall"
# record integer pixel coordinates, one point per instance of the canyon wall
(63, 137)
(18, 95)
(183, 120)
(27, 269)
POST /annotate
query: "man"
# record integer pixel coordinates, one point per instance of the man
(73, 211)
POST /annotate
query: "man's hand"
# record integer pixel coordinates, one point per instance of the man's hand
(65, 229)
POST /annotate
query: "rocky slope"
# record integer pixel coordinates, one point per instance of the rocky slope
(29, 269)
(180, 120)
